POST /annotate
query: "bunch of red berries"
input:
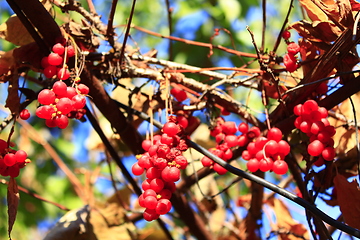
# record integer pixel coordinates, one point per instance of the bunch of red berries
(11, 160)
(61, 102)
(224, 133)
(290, 60)
(225, 137)
(162, 163)
(313, 121)
(55, 63)
(267, 153)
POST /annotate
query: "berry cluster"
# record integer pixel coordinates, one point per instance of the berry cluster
(162, 163)
(224, 133)
(290, 60)
(61, 102)
(312, 120)
(55, 63)
(267, 153)
(11, 160)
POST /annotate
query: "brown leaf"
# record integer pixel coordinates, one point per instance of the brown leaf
(344, 138)
(317, 31)
(285, 221)
(13, 202)
(15, 32)
(345, 13)
(28, 55)
(313, 11)
(6, 62)
(348, 196)
(13, 99)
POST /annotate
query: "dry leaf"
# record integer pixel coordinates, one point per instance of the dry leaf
(317, 31)
(348, 196)
(285, 221)
(15, 32)
(28, 55)
(13, 99)
(313, 11)
(345, 139)
(13, 202)
(6, 62)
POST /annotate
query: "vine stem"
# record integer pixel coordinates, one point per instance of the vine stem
(298, 200)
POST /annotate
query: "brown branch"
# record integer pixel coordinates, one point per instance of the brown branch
(110, 29)
(107, 106)
(200, 44)
(34, 195)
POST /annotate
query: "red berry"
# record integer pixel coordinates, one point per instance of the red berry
(290, 62)
(179, 94)
(60, 88)
(253, 165)
(274, 134)
(170, 174)
(63, 73)
(231, 140)
(298, 110)
(286, 35)
(78, 101)
(157, 184)
(24, 114)
(328, 153)
(163, 206)
(219, 169)
(45, 112)
(62, 121)
(229, 128)
(146, 145)
(271, 148)
(64, 105)
(280, 167)
(265, 164)
(136, 169)
(46, 97)
(150, 202)
(206, 162)
(243, 127)
(55, 59)
(293, 48)
(315, 148)
(58, 48)
(83, 89)
(309, 106)
(50, 71)
(9, 159)
(70, 51)
(20, 156)
(170, 128)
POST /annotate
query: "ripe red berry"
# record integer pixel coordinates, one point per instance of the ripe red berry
(290, 62)
(58, 48)
(219, 169)
(253, 165)
(243, 127)
(315, 148)
(136, 169)
(286, 35)
(60, 88)
(9, 159)
(163, 206)
(274, 134)
(46, 97)
(271, 148)
(63, 73)
(55, 59)
(50, 71)
(24, 114)
(179, 94)
(293, 48)
(280, 167)
(70, 51)
(170, 128)
(62, 121)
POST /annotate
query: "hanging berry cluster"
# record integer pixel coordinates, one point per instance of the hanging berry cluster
(313, 121)
(224, 133)
(290, 60)
(162, 163)
(61, 102)
(11, 160)
(266, 153)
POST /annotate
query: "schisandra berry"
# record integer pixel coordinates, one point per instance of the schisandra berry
(24, 114)
(55, 59)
